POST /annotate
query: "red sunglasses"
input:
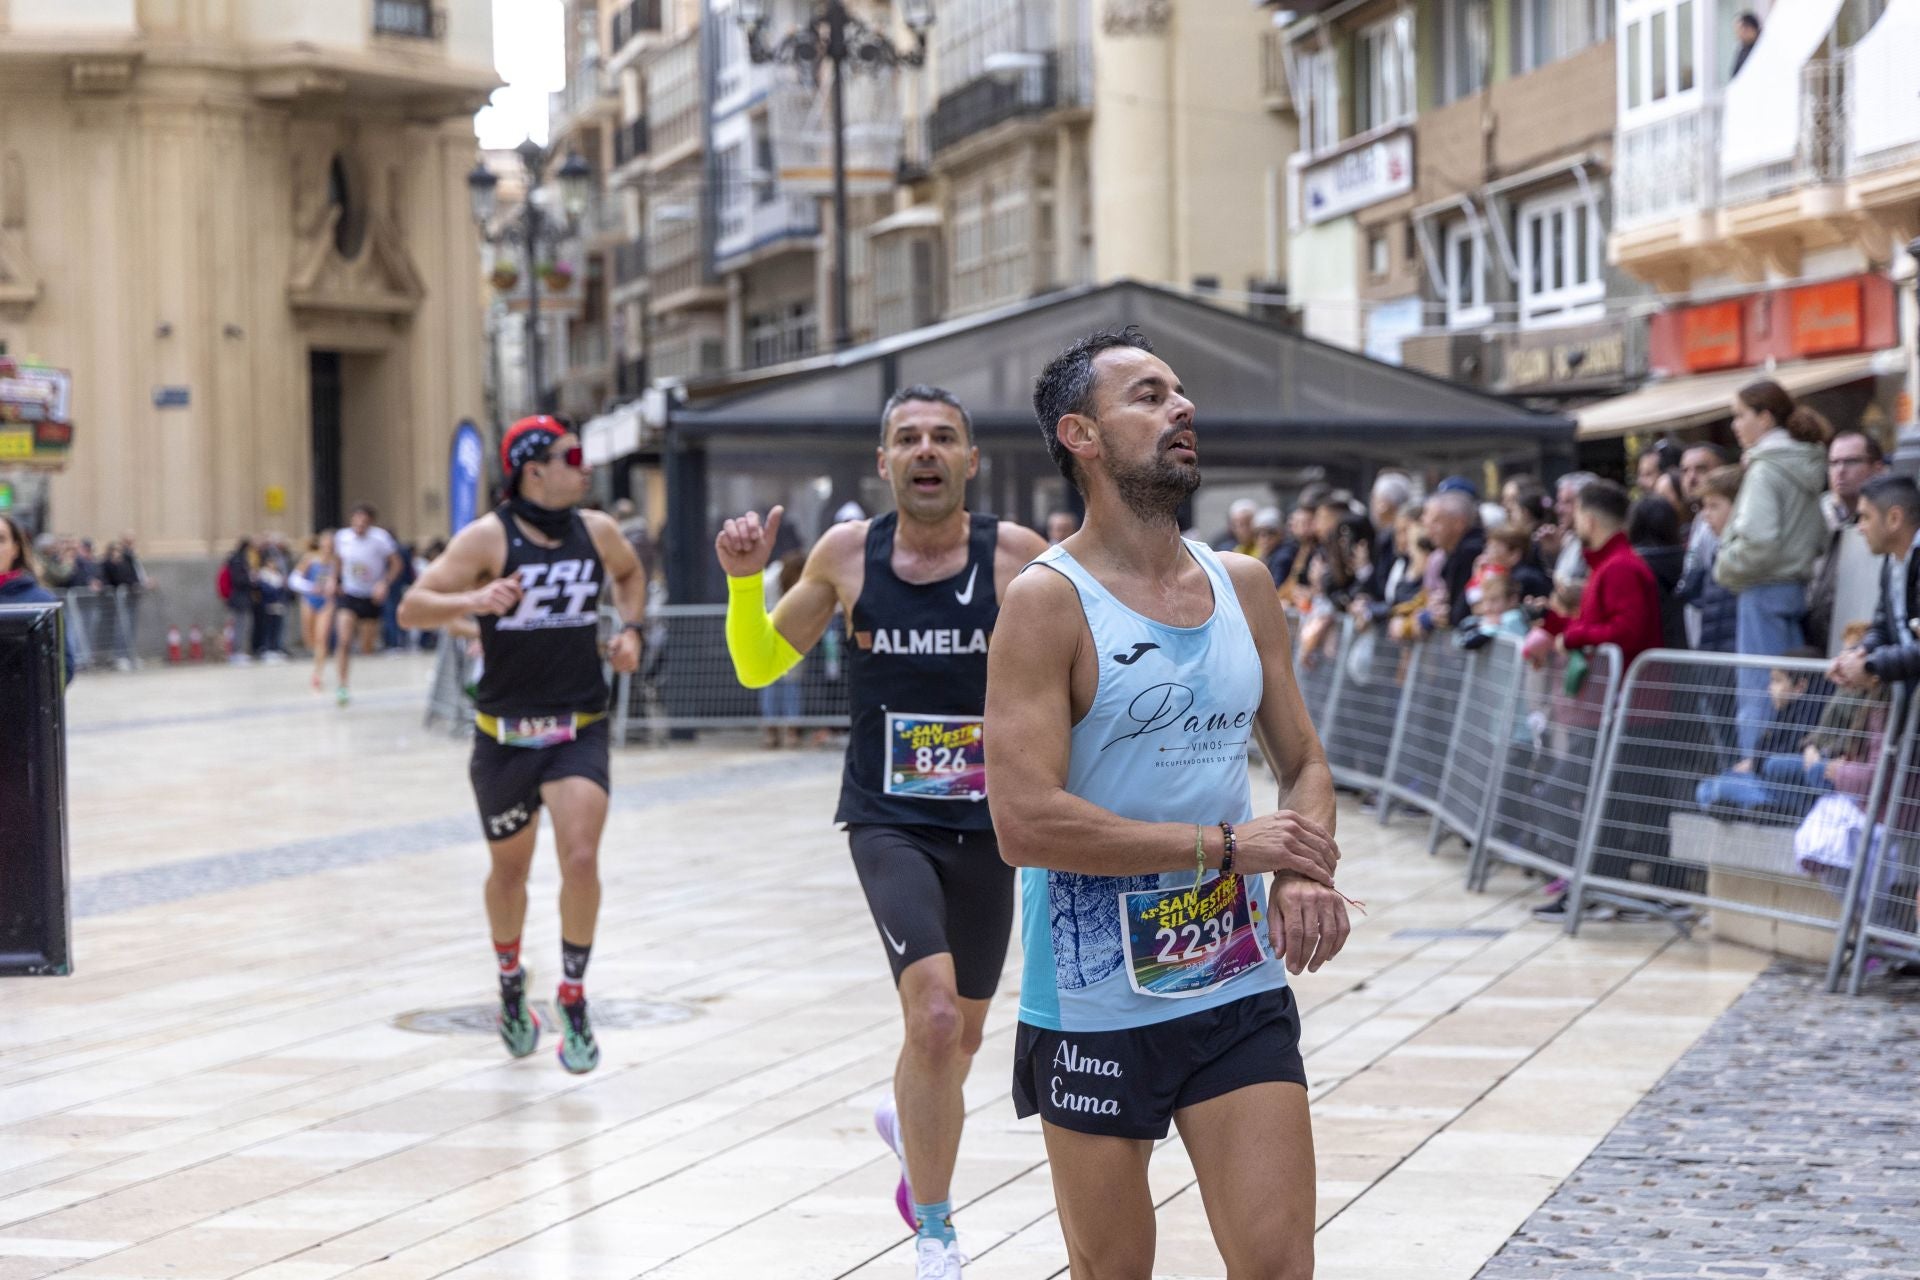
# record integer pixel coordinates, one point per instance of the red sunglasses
(575, 456)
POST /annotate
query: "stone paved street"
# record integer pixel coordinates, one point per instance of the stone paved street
(1784, 1146)
(273, 1059)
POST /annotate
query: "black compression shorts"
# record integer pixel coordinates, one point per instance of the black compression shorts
(506, 780)
(934, 891)
(1128, 1084)
(361, 607)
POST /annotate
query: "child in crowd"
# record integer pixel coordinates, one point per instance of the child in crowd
(1788, 770)
(1498, 611)
(1719, 607)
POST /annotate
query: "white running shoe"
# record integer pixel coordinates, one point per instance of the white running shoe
(886, 1122)
(937, 1260)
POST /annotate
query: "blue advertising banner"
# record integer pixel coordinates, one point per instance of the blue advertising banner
(465, 466)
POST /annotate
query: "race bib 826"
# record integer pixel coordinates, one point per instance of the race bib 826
(935, 757)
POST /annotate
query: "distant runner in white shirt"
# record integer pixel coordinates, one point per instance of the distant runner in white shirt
(364, 562)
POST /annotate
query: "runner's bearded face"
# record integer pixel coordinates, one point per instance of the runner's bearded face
(1148, 445)
(928, 459)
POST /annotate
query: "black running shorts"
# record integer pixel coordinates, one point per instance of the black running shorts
(506, 780)
(1128, 1084)
(933, 891)
(361, 607)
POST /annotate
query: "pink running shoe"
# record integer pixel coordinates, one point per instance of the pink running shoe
(886, 1122)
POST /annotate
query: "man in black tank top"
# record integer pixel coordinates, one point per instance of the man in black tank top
(921, 588)
(533, 571)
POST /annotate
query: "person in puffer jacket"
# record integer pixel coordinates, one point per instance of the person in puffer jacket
(1775, 536)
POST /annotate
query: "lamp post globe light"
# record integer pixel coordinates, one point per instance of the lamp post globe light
(832, 34)
(532, 228)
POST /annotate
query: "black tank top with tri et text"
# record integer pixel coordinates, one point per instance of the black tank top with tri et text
(543, 659)
(917, 685)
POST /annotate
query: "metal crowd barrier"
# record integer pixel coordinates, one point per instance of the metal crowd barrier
(1482, 733)
(1357, 728)
(448, 701)
(103, 624)
(1683, 820)
(1549, 768)
(1883, 886)
(1417, 757)
(686, 681)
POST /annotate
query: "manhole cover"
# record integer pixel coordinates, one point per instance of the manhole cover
(608, 1015)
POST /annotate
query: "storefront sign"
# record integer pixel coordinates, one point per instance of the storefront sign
(1824, 318)
(35, 403)
(1835, 317)
(1586, 358)
(1710, 336)
(1378, 171)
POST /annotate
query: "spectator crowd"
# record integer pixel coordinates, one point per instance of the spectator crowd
(1797, 547)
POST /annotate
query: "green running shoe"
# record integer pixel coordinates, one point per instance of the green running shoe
(579, 1053)
(519, 1024)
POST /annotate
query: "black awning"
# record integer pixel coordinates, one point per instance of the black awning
(1250, 382)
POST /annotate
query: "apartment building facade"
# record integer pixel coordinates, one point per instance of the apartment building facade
(244, 230)
(1453, 192)
(1778, 208)
(1040, 144)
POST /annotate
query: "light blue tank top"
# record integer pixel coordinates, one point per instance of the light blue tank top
(1164, 741)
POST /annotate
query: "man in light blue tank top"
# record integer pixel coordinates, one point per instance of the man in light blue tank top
(1129, 671)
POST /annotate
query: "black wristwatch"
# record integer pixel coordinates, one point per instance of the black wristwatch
(640, 627)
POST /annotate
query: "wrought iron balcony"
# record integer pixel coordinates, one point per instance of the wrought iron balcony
(417, 19)
(630, 141)
(640, 17)
(630, 262)
(1064, 79)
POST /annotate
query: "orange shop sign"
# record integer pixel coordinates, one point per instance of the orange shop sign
(1825, 318)
(1710, 336)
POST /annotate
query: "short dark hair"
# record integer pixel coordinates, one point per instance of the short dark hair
(1339, 500)
(1724, 482)
(1606, 499)
(1721, 457)
(1875, 454)
(1887, 492)
(1748, 19)
(1654, 523)
(367, 507)
(930, 395)
(1066, 386)
(1515, 540)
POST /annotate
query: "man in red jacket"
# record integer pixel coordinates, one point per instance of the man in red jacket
(1621, 605)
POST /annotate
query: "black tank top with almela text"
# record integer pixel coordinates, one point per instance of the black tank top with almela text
(917, 685)
(543, 659)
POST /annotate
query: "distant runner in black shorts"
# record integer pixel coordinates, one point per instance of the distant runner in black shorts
(533, 571)
(921, 588)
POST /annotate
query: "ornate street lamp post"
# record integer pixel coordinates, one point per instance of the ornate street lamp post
(532, 228)
(834, 35)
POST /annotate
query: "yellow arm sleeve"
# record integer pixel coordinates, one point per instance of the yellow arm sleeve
(760, 654)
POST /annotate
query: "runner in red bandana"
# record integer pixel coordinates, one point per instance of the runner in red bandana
(533, 571)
